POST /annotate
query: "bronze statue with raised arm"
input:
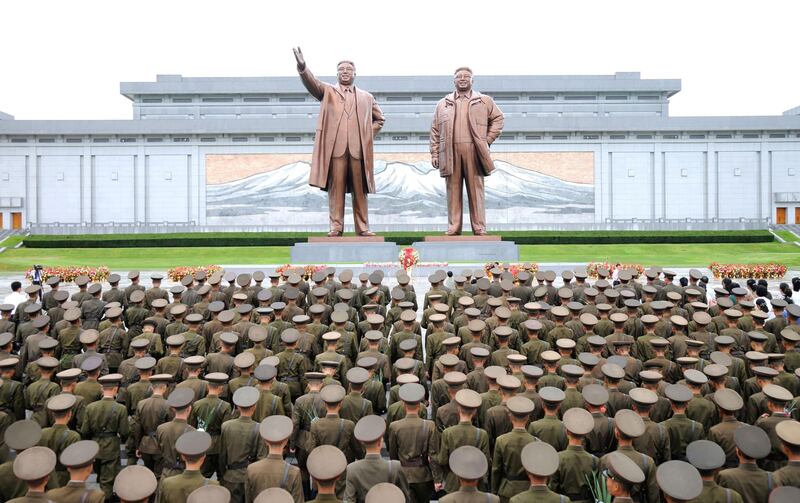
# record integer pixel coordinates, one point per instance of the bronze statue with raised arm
(342, 162)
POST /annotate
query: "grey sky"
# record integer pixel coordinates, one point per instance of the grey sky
(65, 59)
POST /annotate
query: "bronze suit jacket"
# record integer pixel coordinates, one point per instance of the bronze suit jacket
(485, 124)
(331, 110)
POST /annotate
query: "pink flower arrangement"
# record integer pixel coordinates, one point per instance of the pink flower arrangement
(177, 273)
(409, 257)
(593, 267)
(69, 273)
(514, 269)
(303, 271)
(757, 271)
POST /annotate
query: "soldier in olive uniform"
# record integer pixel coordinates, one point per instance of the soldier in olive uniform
(150, 413)
(274, 471)
(12, 393)
(307, 409)
(326, 464)
(628, 426)
(750, 481)
(106, 423)
(682, 430)
(469, 465)
(655, 440)
(239, 445)
(575, 465)
(550, 429)
(78, 458)
(372, 470)
(708, 458)
(334, 430)
(192, 447)
(37, 393)
(58, 437)
(167, 434)
(462, 434)
(293, 365)
(540, 461)
(208, 414)
(508, 475)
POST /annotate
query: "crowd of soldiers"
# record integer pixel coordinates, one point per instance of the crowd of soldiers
(495, 387)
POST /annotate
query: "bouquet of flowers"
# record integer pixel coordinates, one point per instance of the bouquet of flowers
(309, 270)
(177, 273)
(766, 271)
(69, 273)
(514, 269)
(409, 257)
(593, 267)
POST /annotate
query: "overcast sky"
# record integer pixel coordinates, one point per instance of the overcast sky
(65, 59)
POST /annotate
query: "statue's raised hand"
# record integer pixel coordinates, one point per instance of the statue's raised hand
(298, 55)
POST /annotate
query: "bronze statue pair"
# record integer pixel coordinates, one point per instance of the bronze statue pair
(465, 124)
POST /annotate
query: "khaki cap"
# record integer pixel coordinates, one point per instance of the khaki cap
(578, 421)
(326, 462)
(629, 423)
(408, 315)
(784, 494)
(47, 362)
(623, 468)
(72, 314)
(455, 378)
(509, 382)
(550, 356)
(370, 429)
(695, 377)
(728, 400)
(69, 374)
(679, 480)
(332, 393)
(357, 375)
(412, 392)
(408, 344)
(265, 373)
(552, 394)
(520, 405)
(22, 434)
(176, 340)
(448, 360)
(244, 360)
(246, 396)
(216, 494)
(89, 336)
(193, 443)
(180, 398)
(276, 428)
(705, 455)
(469, 463)
(468, 398)
(777, 393)
(406, 379)
(479, 352)
(613, 371)
(80, 453)
(752, 441)
(135, 483)
(643, 396)
(34, 463)
(385, 493)
(376, 335)
(137, 296)
(493, 372)
(539, 458)
(678, 393)
(62, 402)
(532, 371)
(161, 378)
(271, 495)
(789, 432)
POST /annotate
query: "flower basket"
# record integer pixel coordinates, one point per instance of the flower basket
(409, 257)
(756, 271)
(69, 273)
(178, 273)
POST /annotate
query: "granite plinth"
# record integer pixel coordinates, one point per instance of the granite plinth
(343, 250)
(466, 249)
(345, 239)
(436, 239)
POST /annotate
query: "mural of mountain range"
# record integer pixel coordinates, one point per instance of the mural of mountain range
(405, 190)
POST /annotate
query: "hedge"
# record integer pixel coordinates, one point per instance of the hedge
(216, 239)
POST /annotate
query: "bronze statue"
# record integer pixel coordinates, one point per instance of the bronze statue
(465, 123)
(349, 119)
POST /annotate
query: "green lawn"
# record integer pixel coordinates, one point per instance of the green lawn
(789, 236)
(672, 255)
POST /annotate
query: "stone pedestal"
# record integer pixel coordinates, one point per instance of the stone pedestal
(345, 249)
(466, 249)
